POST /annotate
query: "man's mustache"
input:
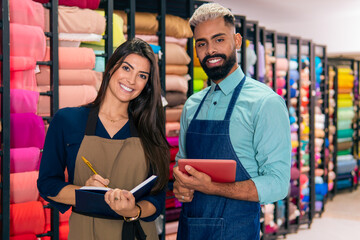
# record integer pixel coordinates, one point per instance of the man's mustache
(223, 56)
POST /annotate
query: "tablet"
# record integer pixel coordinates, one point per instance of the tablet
(220, 170)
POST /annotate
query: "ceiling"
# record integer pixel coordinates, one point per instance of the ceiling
(333, 23)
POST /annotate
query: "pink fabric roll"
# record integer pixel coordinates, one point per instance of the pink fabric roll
(92, 4)
(173, 141)
(24, 159)
(74, 58)
(27, 218)
(23, 187)
(23, 101)
(22, 73)
(69, 96)
(27, 12)
(27, 41)
(295, 173)
(27, 130)
(172, 129)
(176, 83)
(155, 39)
(280, 82)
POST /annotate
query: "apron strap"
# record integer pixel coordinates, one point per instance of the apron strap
(132, 230)
(234, 97)
(91, 122)
(90, 129)
(201, 103)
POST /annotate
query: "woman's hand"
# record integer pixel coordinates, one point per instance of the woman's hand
(97, 181)
(122, 202)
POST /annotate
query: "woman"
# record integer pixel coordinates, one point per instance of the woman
(122, 134)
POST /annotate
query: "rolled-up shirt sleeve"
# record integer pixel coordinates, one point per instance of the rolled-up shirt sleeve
(272, 145)
(53, 162)
(182, 135)
(158, 201)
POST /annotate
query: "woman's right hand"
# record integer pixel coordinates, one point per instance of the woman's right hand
(97, 181)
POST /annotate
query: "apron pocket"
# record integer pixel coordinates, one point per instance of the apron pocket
(205, 228)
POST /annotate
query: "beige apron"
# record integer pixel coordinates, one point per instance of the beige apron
(123, 163)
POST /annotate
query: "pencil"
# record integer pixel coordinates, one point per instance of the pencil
(90, 166)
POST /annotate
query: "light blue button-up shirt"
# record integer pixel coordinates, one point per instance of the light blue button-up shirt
(259, 131)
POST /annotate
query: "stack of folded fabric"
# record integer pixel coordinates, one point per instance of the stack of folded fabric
(345, 160)
(27, 133)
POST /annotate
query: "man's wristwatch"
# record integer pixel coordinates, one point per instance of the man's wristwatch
(130, 219)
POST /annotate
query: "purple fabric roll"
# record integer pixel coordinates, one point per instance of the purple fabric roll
(24, 159)
(295, 173)
(173, 141)
(27, 130)
(294, 190)
(318, 206)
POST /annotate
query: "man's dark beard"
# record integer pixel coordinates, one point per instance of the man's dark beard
(217, 73)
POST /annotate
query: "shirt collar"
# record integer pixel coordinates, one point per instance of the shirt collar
(230, 82)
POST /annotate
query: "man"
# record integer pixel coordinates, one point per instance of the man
(235, 118)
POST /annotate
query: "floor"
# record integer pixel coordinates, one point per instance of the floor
(340, 220)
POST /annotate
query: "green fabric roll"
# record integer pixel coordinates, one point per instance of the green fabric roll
(344, 152)
(346, 133)
(344, 124)
(345, 113)
(198, 84)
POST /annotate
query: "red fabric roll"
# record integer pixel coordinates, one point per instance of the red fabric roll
(23, 187)
(27, 218)
(92, 4)
(24, 159)
(172, 164)
(173, 152)
(63, 217)
(24, 237)
(63, 231)
(27, 130)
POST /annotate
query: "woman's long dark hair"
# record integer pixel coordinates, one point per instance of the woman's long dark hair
(146, 110)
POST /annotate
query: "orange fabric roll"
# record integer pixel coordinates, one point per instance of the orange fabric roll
(176, 69)
(70, 77)
(173, 114)
(176, 83)
(27, 218)
(74, 58)
(23, 187)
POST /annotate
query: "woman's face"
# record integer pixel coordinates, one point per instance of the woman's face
(129, 79)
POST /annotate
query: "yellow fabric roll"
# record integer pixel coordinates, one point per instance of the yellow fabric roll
(199, 73)
(118, 35)
(344, 96)
(196, 59)
(345, 103)
(294, 144)
(343, 70)
(198, 84)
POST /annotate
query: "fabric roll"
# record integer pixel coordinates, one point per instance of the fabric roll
(345, 103)
(173, 152)
(295, 173)
(92, 4)
(175, 54)
(348, 157)
(28, 41)
(343, 184)
(173, 114)
(22, 73)
(344, 124)
(293, 65)
(23, 187)
(176, 69)
(27, 218)
(172, 129)
(199, 84)
(155, 39)
(77, 38)
(77, 20)
(344, 152)
(63, 231)
(74, 58)
(345, 166)
(345, 114)
(23, 101)
(171, 227)
(27, 12)
(24, 237)
(171, 215)
(69, 96)
(27, 130)
(70, 77)
(147, 24)
(199, 73)
(294, 75)
(319, 133)
(282, 64)
(173, 141)
(24, 159)
(176, 83)
(341, 140)
(175, 98)
(345, 96)
(346, 133)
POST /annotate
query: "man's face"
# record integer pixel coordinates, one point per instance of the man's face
(216, 44)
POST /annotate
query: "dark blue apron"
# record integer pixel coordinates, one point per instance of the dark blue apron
(210, 216)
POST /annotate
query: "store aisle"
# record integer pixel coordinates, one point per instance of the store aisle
(340, 221)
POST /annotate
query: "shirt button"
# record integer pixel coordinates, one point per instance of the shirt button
(215, 103)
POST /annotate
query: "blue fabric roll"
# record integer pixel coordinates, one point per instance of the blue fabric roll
(342, 184)
(345, 166)
(321, 189)
(155, 48)
(294, 75)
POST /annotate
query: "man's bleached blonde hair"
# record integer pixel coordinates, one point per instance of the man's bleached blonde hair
(210, 11)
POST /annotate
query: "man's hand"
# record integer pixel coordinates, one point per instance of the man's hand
(196, 181)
